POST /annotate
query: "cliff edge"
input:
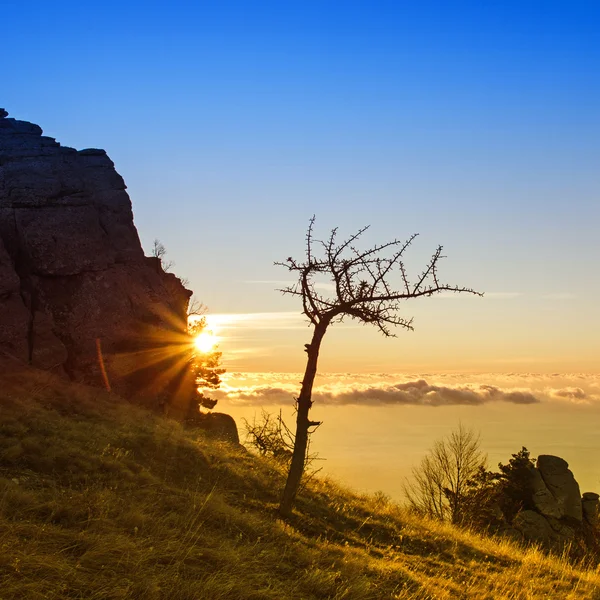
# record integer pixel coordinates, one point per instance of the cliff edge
(77, 294)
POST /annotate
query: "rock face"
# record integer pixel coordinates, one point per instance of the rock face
(562, 517)
(590, 502)
(75, 286)
(561, 483)
(219, 426)
(544, 501)
(533, 526)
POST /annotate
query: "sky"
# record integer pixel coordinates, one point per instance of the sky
(475, 124)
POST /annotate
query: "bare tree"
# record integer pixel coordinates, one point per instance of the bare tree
(159, 251)
(270, 436)
(366, 285)
(196, 308)
(441, 482)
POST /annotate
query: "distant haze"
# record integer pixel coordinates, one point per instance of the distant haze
(372, 444)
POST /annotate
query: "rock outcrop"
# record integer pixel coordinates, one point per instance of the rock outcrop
(590, 503)
(219, 426)
(77, 294)
(543, 500)
(533, 527)
(561, 518)
(562, 485)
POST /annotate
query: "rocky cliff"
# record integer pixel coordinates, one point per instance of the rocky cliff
(77, 294)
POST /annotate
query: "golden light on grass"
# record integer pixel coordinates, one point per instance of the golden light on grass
(205, 342)
(122, 528)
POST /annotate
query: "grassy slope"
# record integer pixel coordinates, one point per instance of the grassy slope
(99, 499)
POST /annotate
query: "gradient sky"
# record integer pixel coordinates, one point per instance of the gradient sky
(476, 124)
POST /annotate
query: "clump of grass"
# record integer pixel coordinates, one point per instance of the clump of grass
(102, 500)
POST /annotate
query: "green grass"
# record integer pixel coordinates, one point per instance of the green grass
(102, 500)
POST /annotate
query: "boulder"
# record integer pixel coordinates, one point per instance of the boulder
(219, 426)
(77, 293)
(545, 503)
(561, 529)
(534, 527)
(562, 484)
(557, 518)
(590, 503)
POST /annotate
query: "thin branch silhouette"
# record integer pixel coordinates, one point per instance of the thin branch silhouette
(366, 285)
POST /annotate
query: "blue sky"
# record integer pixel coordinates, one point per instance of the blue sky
(473, 123)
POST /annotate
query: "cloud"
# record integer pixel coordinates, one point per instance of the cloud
(424, 389)
(576, 395)
(417, 393)
(569, 394)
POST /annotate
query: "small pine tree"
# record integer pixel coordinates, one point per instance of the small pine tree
(492, 498)
(515, 484)
(205, 365)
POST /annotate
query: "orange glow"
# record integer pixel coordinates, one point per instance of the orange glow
(205, 342)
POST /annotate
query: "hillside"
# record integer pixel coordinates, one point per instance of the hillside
(102, 500)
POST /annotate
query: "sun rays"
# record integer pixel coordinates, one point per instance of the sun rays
(205, 342)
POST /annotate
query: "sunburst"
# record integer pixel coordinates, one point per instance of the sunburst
(205, 342)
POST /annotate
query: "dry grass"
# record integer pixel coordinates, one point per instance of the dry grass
(101, 500)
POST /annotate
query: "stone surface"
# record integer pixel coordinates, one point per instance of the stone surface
(545, 503)
(590, 503)
(219, 426)
(561, 529)
(562, 484)
(48, 352)
(556, 520)
(76, 292)
(534, 527)
(15, 319)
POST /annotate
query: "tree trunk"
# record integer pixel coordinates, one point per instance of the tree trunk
(302, 422)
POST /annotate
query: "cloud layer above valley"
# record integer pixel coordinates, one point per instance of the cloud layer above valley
(279, 389)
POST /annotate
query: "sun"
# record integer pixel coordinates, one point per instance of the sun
(205, 342)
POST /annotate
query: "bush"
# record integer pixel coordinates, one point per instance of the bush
(494, 498)
(270, 436)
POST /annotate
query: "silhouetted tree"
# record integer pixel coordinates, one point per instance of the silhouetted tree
(206, 366)
(441, 485)
(270, 436)
(159, 251)
(480, 507)
(188, 372)
(368, 286)
(514, 493)
(493, 499)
